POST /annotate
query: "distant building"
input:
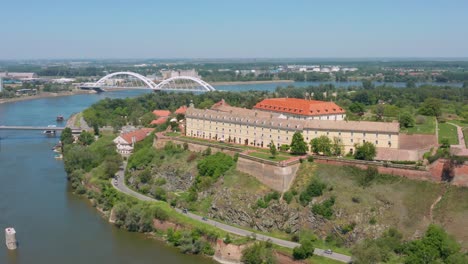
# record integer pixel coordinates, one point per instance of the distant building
(1, 84)
(125, 142)
(18, 75)
(302, 109)
(166, 74)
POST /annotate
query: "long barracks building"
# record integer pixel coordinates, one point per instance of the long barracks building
(258, 128)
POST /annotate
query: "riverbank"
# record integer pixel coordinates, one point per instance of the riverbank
(250, 82)
(44, 95)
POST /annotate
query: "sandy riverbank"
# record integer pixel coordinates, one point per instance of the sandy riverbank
(43, 95)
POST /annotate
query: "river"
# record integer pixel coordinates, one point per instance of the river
(53, 225)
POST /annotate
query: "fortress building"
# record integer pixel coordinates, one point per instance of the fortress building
(265, 123)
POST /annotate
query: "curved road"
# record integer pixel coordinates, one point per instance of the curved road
(119, 184)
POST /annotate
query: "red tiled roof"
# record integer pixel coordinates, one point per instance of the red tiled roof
(299, 106)
(159, 121)
(162, 113)
(138, 134)
(181, 110)
(220, 104)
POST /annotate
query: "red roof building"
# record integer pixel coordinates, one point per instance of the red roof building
(125, 141)
(302, 109)
(181, 110)
(162, 113)
(159, 121)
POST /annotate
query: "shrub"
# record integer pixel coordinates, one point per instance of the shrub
(215, 165)
(159, 193)
(325, 208)
(284, 147)
(366, 151)
(260, 252)
(310, 158)
(236, 157)
(356, 199)
(373, 221)
(314, 189)
(191, 157)
(305, 250)
(348, 228)
(207, 152)
(370, 174)
(186, 146)
(288, 196)
(160, 214)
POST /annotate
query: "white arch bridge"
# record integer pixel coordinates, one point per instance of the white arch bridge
(131, 80)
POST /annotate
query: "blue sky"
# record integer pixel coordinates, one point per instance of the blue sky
(232, 29)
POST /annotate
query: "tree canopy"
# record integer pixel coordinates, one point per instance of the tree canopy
(298, 145)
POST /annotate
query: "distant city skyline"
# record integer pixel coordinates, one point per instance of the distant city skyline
(236, 29)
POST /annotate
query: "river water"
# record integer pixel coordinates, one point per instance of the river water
(53, 225)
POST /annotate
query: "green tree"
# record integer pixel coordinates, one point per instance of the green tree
(322, 145)
(96, 129)
(66, 137)
(366, 151)
(258, 253)
(337, 147)
(273, 150)
(86, 138)
(298, 145)
(379, 111)
(431, 107)
(207, 103)
(357, 108)
(406, 120)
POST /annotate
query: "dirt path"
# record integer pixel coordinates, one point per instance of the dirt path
(433, 205)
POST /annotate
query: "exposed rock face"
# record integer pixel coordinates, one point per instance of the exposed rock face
(236, 208)
(176, 180)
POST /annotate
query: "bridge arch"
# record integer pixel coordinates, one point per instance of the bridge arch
(142, 78)
(168, 84)
(206, 86)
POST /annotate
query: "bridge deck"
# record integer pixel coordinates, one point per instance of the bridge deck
(33, 128)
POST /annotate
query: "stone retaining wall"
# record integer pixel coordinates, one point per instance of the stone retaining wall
(278, 178)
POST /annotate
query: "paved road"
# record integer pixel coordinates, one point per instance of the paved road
(119, 184)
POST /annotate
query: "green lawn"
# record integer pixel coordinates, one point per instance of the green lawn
(427, 127)
(268, 156)
(448, 131)
(458, 122)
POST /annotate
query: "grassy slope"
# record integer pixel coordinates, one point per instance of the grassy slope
(392, 201)
(452, 213)
(448, 131)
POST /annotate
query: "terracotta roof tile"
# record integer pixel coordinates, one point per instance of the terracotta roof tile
(159, 121)
(299, 106)
(162, 113)
(138, 134)
(181, 110)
